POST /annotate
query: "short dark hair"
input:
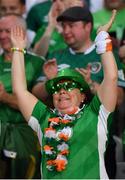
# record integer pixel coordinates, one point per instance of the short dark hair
(23, 2)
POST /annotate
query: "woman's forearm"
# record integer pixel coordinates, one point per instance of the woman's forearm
(18, 72)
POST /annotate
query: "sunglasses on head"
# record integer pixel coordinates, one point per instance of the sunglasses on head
(68, 86)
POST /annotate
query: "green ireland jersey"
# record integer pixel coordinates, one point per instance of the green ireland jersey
(68, 58)
(33, 66)
(38, 15)
(86, 145)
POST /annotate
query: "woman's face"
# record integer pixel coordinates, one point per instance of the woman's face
(67, 101)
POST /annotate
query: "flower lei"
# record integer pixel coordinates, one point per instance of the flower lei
(57, 136)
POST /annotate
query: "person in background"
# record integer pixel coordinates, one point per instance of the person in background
(12, 6)
(31, 4)
(17, 7)
(50, 35)
(74, 116)
(19, 146)
(37, 16)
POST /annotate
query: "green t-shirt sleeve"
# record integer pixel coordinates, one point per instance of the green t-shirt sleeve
(41, 113)
(39, 110)
(95, 104)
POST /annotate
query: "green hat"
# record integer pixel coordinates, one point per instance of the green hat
(67, 74)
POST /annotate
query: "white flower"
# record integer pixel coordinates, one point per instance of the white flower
(63, 146)
(50, 134)
(48, 152)
(53, 123)
(61, 157)
(67, 131)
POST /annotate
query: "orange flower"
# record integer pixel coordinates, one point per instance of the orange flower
(56, 119)
(49, 129)
(60, 164)
(65, 121)
(50, 162)
(64, 152)
(63, 136)
(48, 148)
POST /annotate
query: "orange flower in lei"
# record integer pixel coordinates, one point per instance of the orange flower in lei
(48, 148)
(60, 164)
(64, 137)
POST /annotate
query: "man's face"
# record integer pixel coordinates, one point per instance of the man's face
(5, 25)
(75, 34)
(11, 6)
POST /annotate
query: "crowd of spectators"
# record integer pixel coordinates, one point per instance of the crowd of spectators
(61, 42)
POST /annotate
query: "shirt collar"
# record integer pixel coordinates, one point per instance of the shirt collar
(90, 49)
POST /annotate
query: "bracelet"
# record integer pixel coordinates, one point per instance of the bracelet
(18, 49)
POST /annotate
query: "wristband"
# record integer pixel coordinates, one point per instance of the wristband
(18, 49)
(103, 42)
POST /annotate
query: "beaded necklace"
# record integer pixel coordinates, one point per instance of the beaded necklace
(57, 136)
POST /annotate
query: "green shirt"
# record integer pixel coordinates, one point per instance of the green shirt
(17, 139)
(33, 66)
(86, 146)
(38, 15)
(68, 58)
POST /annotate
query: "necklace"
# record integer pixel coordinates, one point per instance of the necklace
(57, 136)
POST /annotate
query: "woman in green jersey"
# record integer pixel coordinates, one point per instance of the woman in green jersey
(74, 136)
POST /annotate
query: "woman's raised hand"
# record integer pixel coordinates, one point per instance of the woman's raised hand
(107, 26)
(18, 37)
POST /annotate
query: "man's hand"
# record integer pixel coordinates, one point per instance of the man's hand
(50, 68)
(53, 15)
(86, 73)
